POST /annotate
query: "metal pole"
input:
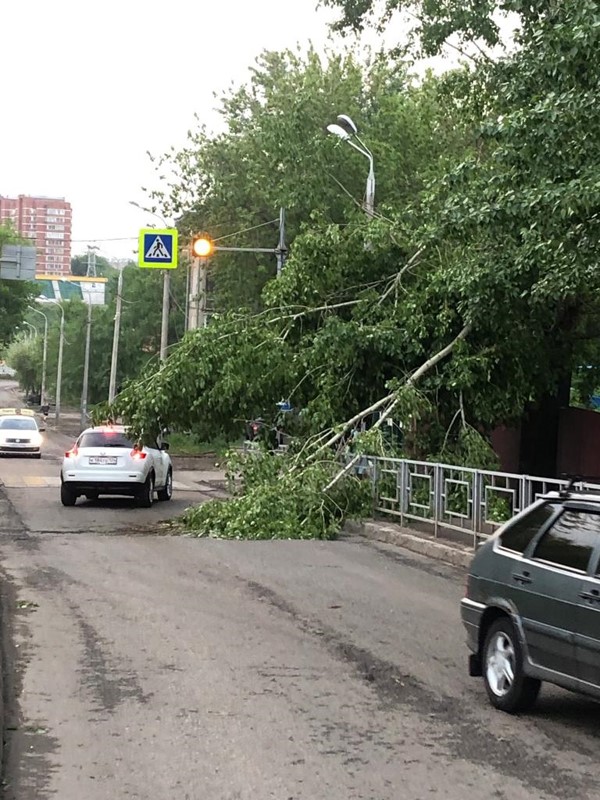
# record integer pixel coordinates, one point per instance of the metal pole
(281, 249)
(33, 328)
(60, 363)
(164, 330)
(44, 361)
(112, 385)
(194, 294)
(202, 293)
(187, 297)
(370, 195)
(86, 369)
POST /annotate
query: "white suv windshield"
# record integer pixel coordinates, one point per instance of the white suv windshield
(105, 439)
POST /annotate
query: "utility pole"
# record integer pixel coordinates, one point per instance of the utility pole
(86, 368)
(112, 386)
(202, 293)
(164, 329)
(60, 362)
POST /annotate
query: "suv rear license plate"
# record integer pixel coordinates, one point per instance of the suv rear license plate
(102, 460)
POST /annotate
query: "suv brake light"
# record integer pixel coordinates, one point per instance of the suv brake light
(137, 455)
(72, 452)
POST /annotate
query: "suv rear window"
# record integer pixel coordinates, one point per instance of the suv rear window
(105, 439)
(521, 532)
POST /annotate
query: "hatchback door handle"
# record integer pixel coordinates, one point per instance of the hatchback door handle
(522, 577)
(594, 594)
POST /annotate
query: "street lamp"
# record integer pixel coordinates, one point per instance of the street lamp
(33, 328)
(346, 130)
(60, 360)
(44, 356)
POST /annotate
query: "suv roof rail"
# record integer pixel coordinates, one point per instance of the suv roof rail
(565, 491)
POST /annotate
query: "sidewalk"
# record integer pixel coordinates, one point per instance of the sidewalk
(440, 548)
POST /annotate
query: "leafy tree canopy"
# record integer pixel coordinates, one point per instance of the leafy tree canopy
(15, 296)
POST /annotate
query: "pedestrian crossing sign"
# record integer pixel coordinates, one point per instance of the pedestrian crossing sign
(158, 248)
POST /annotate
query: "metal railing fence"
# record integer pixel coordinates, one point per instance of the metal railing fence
(452, 498)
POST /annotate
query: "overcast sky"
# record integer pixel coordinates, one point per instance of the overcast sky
(89, 87)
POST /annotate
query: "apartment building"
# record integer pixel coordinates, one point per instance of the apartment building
(47, 222)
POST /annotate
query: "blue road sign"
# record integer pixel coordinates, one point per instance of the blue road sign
(158, 248)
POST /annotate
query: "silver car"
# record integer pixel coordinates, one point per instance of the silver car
(104, 461)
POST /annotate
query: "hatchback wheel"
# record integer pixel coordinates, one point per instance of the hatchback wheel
(167, 492)
(508, 688)
(67, 496)
(146, 496)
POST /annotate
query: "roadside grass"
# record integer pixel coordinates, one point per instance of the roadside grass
(186, 444)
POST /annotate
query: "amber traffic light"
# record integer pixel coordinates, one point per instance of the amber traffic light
(202, 246)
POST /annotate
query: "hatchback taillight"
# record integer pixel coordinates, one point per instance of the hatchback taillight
(72, 452)
(137, 455)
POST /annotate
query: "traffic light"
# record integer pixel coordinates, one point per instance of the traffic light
(202, 246)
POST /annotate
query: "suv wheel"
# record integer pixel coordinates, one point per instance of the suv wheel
(146, 496)
(67, 496)
(166, 493)
(508, 688)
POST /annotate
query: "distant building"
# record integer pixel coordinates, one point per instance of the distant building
(47, 222)
(71, 287)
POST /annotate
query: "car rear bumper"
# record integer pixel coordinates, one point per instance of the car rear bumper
(15, 449)
(471, 613)
(98, 482)
(103, 477)
(131, 489)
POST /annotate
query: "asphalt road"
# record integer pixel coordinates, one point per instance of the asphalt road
(146, 666)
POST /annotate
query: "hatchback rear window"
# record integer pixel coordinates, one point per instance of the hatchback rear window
(571, 541)
(521, 532)
(105, 439)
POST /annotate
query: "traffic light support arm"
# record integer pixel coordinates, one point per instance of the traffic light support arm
(248, 249)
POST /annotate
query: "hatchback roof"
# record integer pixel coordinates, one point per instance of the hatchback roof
(105, 429)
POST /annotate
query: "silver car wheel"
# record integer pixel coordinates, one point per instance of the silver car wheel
(500, 664)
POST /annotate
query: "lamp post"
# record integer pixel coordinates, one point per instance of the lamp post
(346, 130)
(33, 328)
(164, 328)
(44, 356)
(60, 361)
(86, 368)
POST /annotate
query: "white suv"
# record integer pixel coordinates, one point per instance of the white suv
(104, 460)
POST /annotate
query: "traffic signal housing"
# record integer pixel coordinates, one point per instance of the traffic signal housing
(202, 246)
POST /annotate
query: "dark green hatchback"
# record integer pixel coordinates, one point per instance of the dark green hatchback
(532, 602)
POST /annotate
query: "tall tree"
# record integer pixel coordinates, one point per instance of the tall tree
(15, 296)
(274, 151)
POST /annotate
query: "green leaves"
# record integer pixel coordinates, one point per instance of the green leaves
(279, 497)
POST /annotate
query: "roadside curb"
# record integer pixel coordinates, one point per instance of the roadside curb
(456, 554)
